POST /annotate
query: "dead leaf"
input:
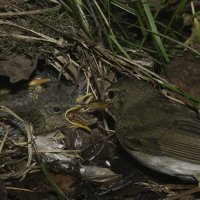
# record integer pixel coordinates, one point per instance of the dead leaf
(17, 66)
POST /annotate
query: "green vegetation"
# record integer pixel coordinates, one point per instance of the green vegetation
(159, 27)
(154, 26)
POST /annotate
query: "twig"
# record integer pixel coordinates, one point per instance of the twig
(60, 43)
(34, 12)
(4, 138)
(183, 194)
(28, 130)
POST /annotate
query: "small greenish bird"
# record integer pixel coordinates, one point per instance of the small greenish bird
(161, 134)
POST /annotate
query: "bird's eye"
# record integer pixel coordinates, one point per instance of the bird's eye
(56, 110)
(111, 94)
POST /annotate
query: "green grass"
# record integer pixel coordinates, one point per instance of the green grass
(135, 23)
(119, 25)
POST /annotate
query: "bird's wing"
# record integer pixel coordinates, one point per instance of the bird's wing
(165, 128)
(180, 140)
(185, 144)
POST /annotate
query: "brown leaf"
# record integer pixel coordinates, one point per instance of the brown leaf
(17, 66)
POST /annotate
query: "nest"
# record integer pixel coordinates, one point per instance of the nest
(48, 34)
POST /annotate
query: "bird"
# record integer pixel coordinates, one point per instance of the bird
(160, 133)
(44, 109)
